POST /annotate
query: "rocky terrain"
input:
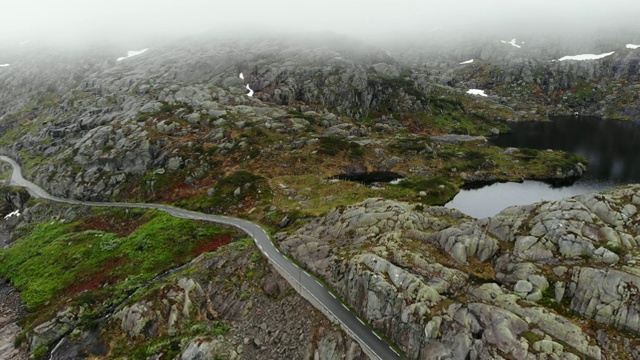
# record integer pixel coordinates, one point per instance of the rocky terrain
(553, 280)
(175, 125)
(531, 81)
(228, 303)
(178, 116)
(11, 311)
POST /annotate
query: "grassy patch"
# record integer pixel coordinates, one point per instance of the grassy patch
(56, 261)
(438, 190)
(531, 337)
(333, 145)
(240, 190)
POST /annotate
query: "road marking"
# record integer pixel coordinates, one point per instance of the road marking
(16, 178)
(361, 322)
(318, 282)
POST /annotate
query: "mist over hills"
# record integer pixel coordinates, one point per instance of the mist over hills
(338, 88)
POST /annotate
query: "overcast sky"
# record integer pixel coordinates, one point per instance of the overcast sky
(71, 20)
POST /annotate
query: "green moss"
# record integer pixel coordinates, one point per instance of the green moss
(56, 260)
(614, 248)
(438, 190)
(410, 144)
(237, 190)
(333, 145)
(531, 337)
(255, 257)
(584, 92)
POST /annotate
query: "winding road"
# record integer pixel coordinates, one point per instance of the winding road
(305, 284)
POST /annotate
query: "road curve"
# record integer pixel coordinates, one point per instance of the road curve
(302, 281)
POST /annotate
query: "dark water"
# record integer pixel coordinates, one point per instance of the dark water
(370, 177)
(612, 148)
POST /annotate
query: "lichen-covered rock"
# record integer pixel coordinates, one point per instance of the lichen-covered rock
(203, 349)
(608, 296)
(493, 292)
(49, 332)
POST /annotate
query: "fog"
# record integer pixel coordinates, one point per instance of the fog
(79, 21)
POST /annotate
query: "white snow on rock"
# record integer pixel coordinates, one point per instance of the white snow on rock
(631, 46)
(583, 57)
(250, 91)
(4, 65)
(241, 76)
(466, 62)
(476, 92)
(132, 53)
(512, 43)
(14, 213)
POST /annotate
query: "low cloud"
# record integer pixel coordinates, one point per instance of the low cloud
(69, 21)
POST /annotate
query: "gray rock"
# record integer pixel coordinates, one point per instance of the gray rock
(175, 163)
(193, 118)
(151, 107)
(201, 349)
(523, 286)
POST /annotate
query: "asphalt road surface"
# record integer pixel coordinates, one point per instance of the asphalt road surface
(371, 343)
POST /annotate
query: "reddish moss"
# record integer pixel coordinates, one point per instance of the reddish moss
(213, 244)
(94, 281)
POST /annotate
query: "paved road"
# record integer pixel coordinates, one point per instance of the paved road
(304, 283)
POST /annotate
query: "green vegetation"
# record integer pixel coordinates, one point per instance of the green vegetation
(56, 261)
(166, 111)
(407, 145)
(531, 337)
(333, 145)
(241, 189)
(438, 190)
(615, 248)
(584, 91)
(170, 346)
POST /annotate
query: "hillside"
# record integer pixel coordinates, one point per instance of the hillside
(174, 124)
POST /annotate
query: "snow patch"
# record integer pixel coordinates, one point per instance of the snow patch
(132, 53)
(467, 62)
(396, 181)
(241, 76)
(4, 65)
(250, 91)
(631, 46)
(14, 213)
(512, 43)
(583, 57)
(476, 92)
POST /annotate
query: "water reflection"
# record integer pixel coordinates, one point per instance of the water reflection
(611, 146)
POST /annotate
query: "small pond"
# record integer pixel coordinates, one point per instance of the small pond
(612, 148)
(370, 177)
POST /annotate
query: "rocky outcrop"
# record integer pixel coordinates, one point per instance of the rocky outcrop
(533, 83)
(228, 304)
(520, 284)
(11, 311)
